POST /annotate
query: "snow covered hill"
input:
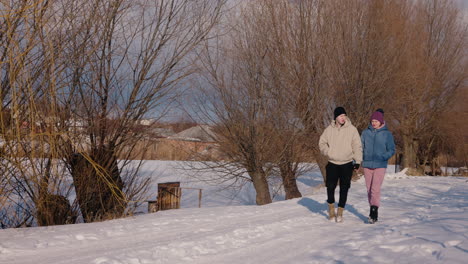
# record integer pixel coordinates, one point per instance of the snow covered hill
(422, 220)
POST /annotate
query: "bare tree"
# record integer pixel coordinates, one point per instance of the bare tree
(125, 58)
(36, 189)
(434, 67)
(279, 19)
(76, 78)
(453, 140)
(389, 54)
(300, 39)
(267, 90)
(364, 55)
(234, 95)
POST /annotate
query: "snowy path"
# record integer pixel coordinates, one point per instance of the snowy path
(423, 220)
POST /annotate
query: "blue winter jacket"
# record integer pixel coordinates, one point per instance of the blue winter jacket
(378, 146)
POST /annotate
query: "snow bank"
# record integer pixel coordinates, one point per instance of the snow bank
(422, 220)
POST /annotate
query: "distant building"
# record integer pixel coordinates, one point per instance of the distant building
(200, 133)
(161, 132)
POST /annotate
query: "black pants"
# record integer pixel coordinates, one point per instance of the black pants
(343, 173)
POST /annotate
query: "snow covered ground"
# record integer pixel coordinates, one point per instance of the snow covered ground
(422, 220)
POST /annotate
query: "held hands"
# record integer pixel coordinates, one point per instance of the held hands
(356, 166)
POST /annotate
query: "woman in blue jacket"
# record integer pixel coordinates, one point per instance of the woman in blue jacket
(378, 146)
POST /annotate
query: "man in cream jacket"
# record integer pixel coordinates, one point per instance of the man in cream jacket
(341, 143)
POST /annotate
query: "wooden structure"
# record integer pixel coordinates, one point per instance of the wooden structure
(169, 194)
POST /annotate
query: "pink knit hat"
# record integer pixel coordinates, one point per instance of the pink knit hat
(377, 116)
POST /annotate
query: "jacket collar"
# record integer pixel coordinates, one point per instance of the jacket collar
(382, 128)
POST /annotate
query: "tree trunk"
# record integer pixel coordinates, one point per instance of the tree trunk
(98, 185)
(322, 163)
(53, 209)
(261, 187)
(288, 175)
(410, 160)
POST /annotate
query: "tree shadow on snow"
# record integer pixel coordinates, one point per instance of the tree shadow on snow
(322, 208)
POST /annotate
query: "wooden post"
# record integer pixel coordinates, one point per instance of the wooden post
(152, 206)
(199, 197)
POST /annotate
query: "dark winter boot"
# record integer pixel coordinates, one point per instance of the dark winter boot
(376, 214)
(373, 215)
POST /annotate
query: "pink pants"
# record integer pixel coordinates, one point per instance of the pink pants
(374, 179)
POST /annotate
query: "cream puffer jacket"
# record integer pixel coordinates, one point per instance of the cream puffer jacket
(341, 144)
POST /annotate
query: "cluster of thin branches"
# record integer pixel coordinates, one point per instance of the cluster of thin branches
(279, 68)
(76, 78)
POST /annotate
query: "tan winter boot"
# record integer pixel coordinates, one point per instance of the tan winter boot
(331, 211)
(339, 216)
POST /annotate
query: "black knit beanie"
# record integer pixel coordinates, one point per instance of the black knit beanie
(338, 111)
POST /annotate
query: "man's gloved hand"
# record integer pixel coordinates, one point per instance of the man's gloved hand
(356, 166)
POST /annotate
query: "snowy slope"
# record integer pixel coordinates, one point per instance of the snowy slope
(422, 220)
